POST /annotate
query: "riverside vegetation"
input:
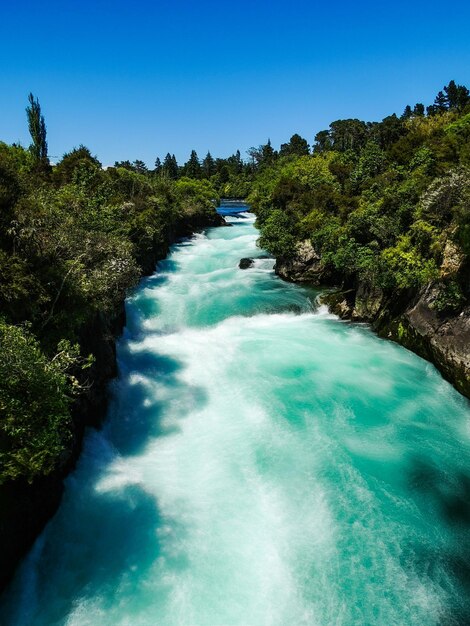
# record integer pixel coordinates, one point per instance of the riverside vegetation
(382, 211)
(379, 209)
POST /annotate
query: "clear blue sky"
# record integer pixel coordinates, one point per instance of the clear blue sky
(137, 80)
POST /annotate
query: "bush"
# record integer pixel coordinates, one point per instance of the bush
(34, 404)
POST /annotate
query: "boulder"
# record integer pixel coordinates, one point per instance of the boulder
(245, 263)
(304, 266)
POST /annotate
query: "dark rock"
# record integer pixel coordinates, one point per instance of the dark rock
(245, 263)
(305, 266)
(414, 323)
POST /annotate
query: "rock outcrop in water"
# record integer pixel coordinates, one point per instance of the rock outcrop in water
(409, 318)
(245, 263)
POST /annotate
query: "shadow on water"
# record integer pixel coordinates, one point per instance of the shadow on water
(445, 494)
(108, 540)
(107, 529)
(148, 388)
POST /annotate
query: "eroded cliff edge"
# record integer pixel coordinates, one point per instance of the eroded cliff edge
(412, 318)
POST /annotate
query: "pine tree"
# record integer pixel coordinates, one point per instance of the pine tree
(170, 167)
(140, 167)
(208, 166)
(418, 109)
(158, 166)
(192, 167)
(457, 95)
(441, 102)
(407, 113)
(268, 153)
(37, 130)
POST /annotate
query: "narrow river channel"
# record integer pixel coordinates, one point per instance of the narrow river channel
(262, 464)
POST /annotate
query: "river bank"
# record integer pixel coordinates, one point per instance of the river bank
(409, 317)
(25, 508)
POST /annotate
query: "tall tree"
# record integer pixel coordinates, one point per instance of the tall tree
(407, 113)
(350, 134)
(268, 153)
(440, 103)
(170, 167)
(208, 165)
(158, 166)
(140, 167)
(192, 167)
(323, 141)
(457, 96)
(37, 129)
(297, 146)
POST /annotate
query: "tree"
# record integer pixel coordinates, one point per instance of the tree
(418, 109)
(127, 165)
(140, 167)
(208, 165)
(37, 130)
(63, 173)
(457, 96)
(322, 141)
(170, 167)
(192, 167)
(441, 102)
(389, 130)
(34, 404)
(297, 146)
(263, 155)
(407, 113)
(268, 153)
(158, 166)
(348, 134)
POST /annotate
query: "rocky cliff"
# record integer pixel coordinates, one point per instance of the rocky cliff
(409, 317)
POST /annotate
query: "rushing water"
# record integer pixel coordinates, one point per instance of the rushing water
(263, 464)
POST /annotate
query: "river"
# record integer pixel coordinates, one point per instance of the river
(262, 464)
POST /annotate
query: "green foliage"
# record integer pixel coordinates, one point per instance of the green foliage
(81, 157)
(297, 146)
(377, 200)
(35, 392)
(450, 298)
(278, 234)
(192, 168)
(405, 267)
(37, 129)
(73, 240)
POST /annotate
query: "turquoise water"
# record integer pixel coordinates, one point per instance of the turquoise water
(263, 464)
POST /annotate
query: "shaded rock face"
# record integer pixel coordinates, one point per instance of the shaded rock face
(245, 263)
(304, 266)
(414, 323)
(444, 340)
(367, 303)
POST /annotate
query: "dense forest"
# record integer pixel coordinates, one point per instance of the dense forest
(384, 204)
(74, 238)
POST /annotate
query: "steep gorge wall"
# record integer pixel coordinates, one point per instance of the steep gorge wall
(409, 317)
